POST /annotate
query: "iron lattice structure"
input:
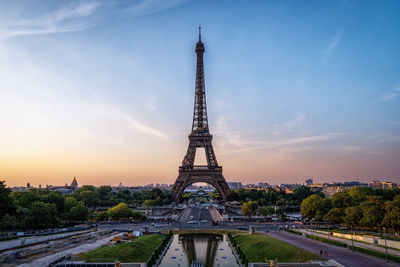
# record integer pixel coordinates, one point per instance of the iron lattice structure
(200, 137)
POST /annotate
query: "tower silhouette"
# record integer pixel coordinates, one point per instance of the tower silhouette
(200, 137)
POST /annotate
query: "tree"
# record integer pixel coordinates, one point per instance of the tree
(392, 216)
(69, 202)
(41, 216)
(342, 200)
(90, 198)
(78, 212)
(265, 211)
(249, 208)
(7, 205)
(359, 194)
(8, 222)
(55, 198)
(149, 203)
(121, 211)
(313, 207)
(335, 215)
(373, 212)
(301, 193)
(86, 188)
(353, 216)
(105, 193)
(102, 215)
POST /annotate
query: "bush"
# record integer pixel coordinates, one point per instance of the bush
(293, 231)
(329, 241)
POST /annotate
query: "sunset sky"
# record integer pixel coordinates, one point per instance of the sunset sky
(103, 90)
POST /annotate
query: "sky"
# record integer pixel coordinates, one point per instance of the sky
(103, 90)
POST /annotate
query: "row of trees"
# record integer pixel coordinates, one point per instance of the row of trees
(272, 197)
(356, 207)
(41, 209)
(251, 208)
(120, 212)
(103, 196)
(38, 209)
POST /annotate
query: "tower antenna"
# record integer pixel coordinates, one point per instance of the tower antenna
(199, 33)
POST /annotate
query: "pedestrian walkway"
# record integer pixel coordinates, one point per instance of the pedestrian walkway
(356, 243)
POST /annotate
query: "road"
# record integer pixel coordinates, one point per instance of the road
(341, 255)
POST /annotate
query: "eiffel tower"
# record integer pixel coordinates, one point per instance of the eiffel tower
(200, 137)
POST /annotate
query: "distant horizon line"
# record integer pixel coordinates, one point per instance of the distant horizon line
(170, 184)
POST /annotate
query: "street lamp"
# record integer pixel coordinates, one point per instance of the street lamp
(384, 236)
(352, 241)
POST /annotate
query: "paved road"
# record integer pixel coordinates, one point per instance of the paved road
(341, 255)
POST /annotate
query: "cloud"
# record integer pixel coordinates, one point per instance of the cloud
(148, 7)
(391, 95)
(81, 16)
(290, 125)
(66, 19)
(297, 141)
(330, 49)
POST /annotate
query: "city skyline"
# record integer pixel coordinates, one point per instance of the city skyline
(104, 90)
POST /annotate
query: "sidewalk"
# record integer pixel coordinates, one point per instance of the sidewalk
(356, 243)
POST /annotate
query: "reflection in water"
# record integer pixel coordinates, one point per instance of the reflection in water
(208, 249)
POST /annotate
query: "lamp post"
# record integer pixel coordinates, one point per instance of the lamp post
(352, 241)
(384, 236)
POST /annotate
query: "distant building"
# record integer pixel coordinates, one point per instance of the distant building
(308, 182)
(389, 185)
(28, 185)
(330, 189)
(382, 185)
(235, 185)
(375, 184)
(74, 184)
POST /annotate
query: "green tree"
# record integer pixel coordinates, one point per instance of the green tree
(105, 193)
(335, 215)
(249, 208)
(265, 211)
(373, 212)
(90, 198)
(55, 198)
(342, 200)
(69, 202)
(41, 216)
(149, 203)
(9, 222)
(359, 194)
(25, 199)
(78, 212)
(313, 207)
(353, 215)
(86, 188)
(121, 211)
(138, 216)
(7, 205)
(102, 215)
(301, 193)
(392, 216)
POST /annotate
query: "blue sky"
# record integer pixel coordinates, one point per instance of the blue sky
(103, 90)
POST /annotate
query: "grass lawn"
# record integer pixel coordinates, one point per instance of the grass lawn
(138, 250)
(258, 247)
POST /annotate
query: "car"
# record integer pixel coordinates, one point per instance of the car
(204, 221)
(192, 222)
(157, 225)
